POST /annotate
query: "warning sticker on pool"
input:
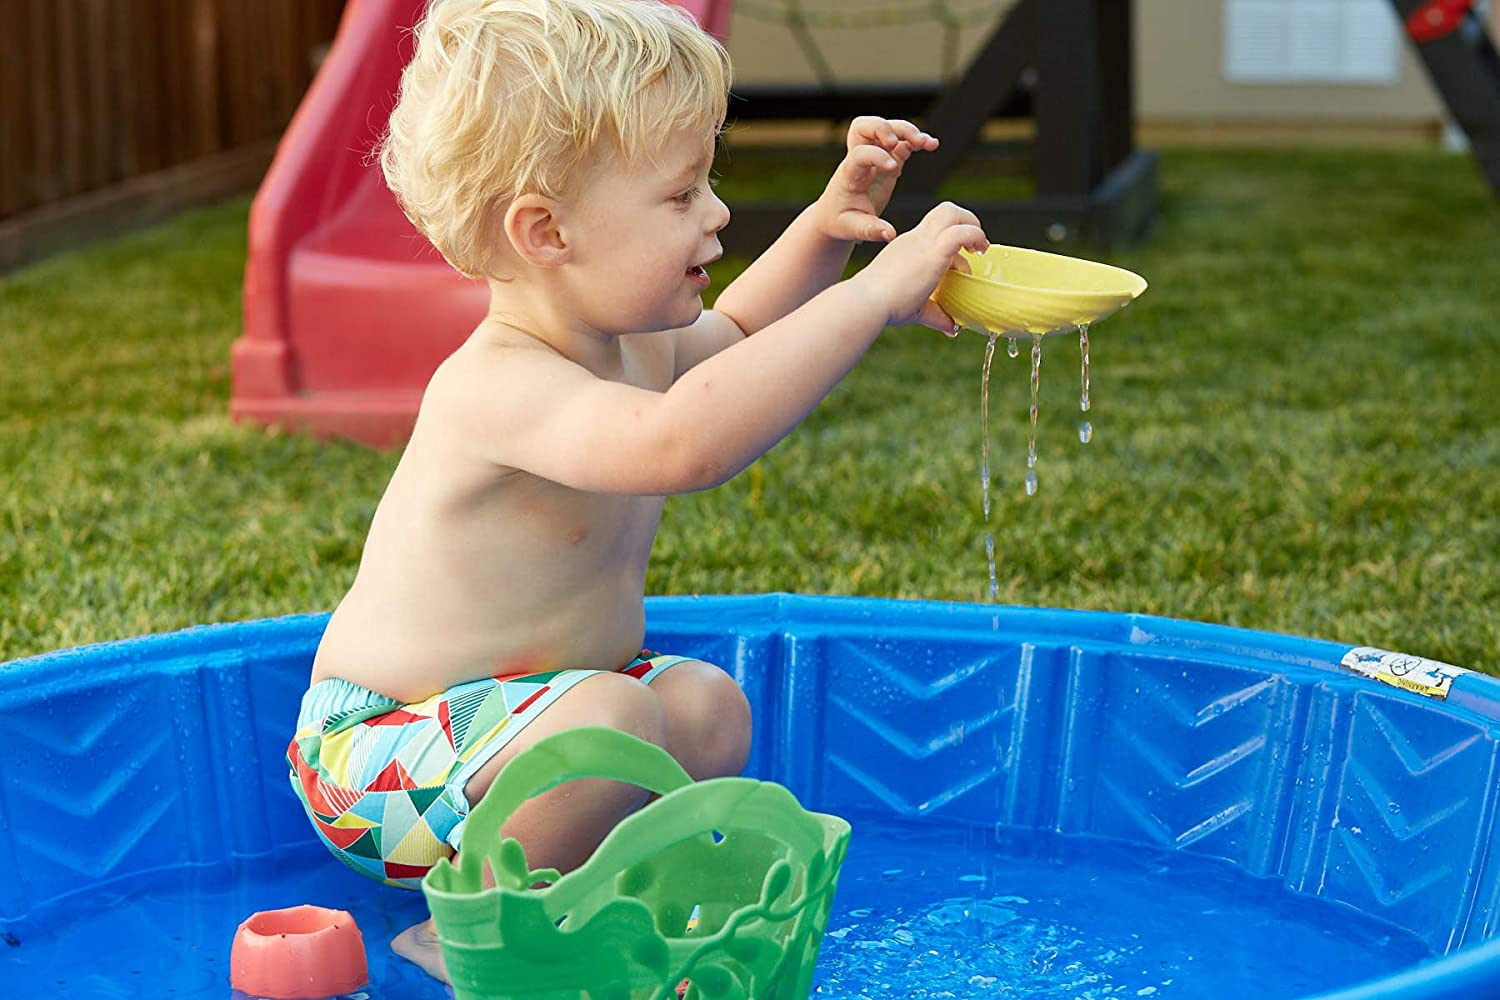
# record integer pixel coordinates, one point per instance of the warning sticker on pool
(1432, 678)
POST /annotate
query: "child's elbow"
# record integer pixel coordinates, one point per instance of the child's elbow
(705, 472)
(696, 465)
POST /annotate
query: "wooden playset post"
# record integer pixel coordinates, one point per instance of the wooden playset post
(1067, 64)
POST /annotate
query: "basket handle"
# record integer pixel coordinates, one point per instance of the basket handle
(585, 752)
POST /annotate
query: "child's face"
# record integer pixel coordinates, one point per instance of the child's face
(641, 234)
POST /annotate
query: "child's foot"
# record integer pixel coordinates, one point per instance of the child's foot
(419, 945)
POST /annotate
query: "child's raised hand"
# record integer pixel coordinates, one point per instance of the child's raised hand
(905, 273)
(861, 187)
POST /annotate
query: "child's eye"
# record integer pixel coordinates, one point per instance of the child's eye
(689, 196)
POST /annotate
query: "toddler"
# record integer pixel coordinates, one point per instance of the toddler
(561, 151)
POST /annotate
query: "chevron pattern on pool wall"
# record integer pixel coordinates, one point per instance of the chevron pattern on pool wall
(1182, 755)
(116, 766)
(1392, 791)
(99, 780)
(918, 727)
(1482, 923)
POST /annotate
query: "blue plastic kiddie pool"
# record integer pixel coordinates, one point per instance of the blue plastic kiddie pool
(1048, 804)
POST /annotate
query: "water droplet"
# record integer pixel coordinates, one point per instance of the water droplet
(1085, 432)
(984, 457)
(1036, 384)
(1083, 350)
(1012, 347)
(1394, 807)
(989, 551)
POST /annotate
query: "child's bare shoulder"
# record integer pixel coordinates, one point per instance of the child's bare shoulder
(494, 368)
(492, 391)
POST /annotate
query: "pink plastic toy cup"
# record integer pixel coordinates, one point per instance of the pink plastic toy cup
(302, 951)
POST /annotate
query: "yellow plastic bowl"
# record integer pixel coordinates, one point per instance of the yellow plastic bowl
(1013, 290)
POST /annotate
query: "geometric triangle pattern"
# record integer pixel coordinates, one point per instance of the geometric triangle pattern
(383, 783)
(422, 798)
(368, 844)
(456, 714)
(393, 778)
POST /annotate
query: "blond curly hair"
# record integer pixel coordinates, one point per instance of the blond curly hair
(508, 97)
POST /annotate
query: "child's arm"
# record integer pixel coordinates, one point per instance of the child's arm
(814, 250)
(556, 420)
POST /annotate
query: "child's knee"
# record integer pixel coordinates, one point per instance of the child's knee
(708, 720)
(732, 746)
(624, 703)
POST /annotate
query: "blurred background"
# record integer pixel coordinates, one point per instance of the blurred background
(1297, 428)
(118, 112)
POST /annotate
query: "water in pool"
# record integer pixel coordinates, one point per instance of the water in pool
(932, 911)
(923, 911)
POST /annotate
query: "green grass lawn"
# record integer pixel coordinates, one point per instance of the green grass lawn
(1296, 429)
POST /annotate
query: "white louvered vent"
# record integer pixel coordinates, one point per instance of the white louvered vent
(1310, 41)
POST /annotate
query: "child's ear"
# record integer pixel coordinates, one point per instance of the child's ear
(534, 230)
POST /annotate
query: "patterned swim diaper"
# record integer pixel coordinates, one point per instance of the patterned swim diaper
(383, 782)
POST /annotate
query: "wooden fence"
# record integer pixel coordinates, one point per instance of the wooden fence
(95, 94)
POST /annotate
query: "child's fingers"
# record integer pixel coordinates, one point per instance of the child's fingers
(964, 236)
(913, 136)
(887, 133)
(868, 129)
(933, 316)
(865, 163)
(862, 226)
(947, 215)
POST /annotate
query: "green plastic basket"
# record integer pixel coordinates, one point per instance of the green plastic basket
(758, 869)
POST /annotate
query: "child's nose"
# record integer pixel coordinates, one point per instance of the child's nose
(718, 216)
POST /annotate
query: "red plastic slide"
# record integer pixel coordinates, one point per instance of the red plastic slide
(348, 310)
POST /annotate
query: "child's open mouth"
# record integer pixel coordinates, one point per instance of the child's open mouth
(698, 274)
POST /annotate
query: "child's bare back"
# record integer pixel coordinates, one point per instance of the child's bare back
(476, 570)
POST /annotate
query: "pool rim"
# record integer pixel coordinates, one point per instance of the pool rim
(1474, 695)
